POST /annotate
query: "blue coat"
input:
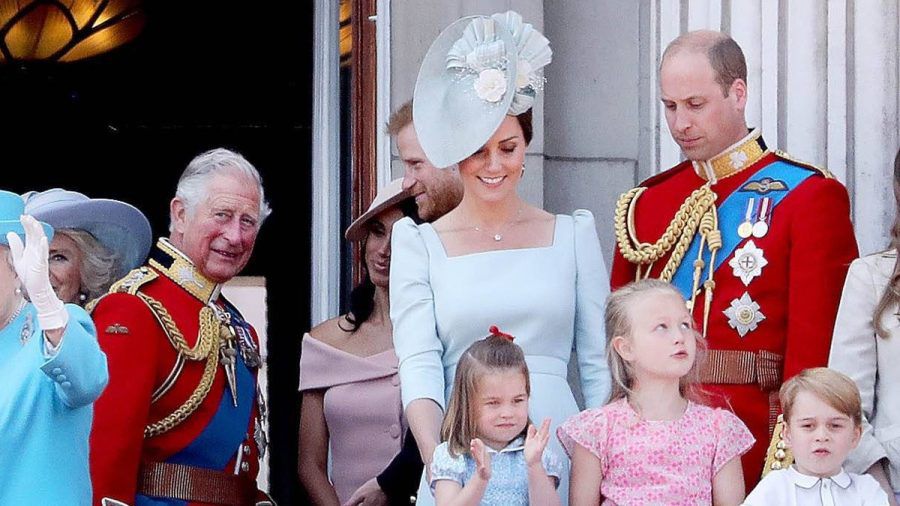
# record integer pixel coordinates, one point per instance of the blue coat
(46, 410)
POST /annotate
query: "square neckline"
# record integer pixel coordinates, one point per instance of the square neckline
(443, 249)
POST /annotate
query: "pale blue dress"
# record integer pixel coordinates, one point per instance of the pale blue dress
(550, 298)
(508, 485)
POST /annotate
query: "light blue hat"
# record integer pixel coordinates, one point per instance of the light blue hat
(12, 207)
(118, 226)
(478, 70)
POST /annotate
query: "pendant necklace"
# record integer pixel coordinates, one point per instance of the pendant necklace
(498, 236)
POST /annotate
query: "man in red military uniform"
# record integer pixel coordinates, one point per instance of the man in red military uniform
(178, 423)
(758, 244)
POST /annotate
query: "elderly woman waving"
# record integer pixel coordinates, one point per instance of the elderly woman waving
(51, 371)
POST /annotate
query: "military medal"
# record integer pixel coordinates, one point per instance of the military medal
(227, 356)
(761, 227)
(747, 262)
(745, 229)
(744, 315)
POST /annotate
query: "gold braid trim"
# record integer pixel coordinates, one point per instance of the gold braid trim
(678, 234)
(205, 349)
(190, 405)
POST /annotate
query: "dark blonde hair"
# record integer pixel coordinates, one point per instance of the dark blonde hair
(619, 323)
(834, 388)
(400, 118)
(891, 296)
(489, 355)
(99, 266)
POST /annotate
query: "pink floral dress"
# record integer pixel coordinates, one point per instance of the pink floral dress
(657, 462)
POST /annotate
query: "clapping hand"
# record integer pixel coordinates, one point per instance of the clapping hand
(482, 459)
(535, 442)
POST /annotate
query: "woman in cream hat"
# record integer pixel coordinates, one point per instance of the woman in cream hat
(495, 259)
(348, 378)
(51, 371)
(97, 241)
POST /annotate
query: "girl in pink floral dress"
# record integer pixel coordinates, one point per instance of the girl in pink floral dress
(653, 443)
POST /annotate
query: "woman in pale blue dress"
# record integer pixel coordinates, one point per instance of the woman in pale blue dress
(495, 259)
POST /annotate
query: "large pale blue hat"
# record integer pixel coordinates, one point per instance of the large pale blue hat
(12, 207)
(478, 70)
(118, 226)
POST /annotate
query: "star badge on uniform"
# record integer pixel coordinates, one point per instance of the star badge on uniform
(747, 262)
(744, 314)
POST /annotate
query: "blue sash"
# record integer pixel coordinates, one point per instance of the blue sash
(731, 213)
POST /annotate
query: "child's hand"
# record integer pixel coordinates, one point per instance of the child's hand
(482, 459)
(535, 442)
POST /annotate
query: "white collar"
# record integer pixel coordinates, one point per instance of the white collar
(842, 479)
(514, 445)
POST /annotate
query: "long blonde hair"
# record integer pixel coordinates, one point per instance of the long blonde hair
(891, 296)
(492, 354)
(618, 323)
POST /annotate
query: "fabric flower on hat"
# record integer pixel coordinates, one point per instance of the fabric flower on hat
(481, 51)
(490, 85)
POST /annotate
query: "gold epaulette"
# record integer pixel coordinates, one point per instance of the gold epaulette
(825, 172)
(778, 456)
(131, 283)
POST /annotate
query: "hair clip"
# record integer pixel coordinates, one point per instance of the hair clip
(497, 333)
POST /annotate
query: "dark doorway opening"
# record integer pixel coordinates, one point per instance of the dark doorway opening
(123, 125)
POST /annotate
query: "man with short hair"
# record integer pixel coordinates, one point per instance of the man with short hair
(437, 190)
(178, 423)
(758, 243)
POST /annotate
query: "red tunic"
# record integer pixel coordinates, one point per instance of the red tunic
(141, 358)
(809, 247)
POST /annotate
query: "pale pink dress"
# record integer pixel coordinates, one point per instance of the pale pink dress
(657, 462)
(362, 410)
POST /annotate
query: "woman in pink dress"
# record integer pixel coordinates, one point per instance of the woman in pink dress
(351, 415)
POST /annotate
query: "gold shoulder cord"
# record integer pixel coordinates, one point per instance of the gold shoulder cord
(697, 213)
(206, 348)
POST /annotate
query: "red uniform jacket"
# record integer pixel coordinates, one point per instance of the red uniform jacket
(143, 361)
(809, 247)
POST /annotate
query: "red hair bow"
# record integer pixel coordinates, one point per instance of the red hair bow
(496, 332)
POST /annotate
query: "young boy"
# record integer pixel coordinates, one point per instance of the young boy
(822, 425)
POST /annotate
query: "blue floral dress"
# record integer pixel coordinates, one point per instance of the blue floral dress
(509, 474)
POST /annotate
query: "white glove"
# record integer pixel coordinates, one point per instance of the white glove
(33, 268)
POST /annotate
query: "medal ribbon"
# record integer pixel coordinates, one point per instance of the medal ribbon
(731, 213)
